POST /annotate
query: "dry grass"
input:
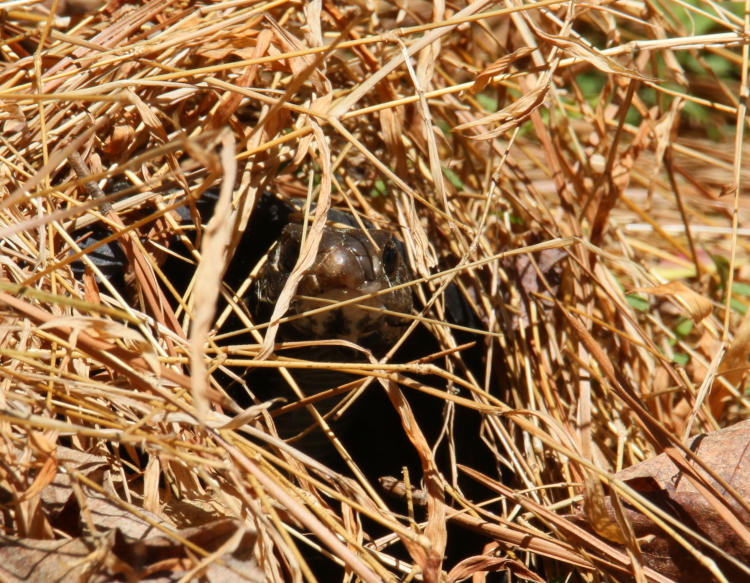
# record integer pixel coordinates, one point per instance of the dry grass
(606, 138)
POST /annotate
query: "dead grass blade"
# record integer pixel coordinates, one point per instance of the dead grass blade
(570, 186)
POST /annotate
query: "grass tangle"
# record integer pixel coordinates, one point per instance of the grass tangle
(574, 172)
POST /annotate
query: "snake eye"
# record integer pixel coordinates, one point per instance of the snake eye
(390, 259)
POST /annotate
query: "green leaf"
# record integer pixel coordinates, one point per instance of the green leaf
(379, 189)
(738, 306)
(684, 327)
(638, 302)
(445, 127)
(740, 288)
(488, 102)
(453, 178)
(680, 358)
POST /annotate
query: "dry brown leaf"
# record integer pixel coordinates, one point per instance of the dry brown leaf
(575, 48)
(664, 131)
(232, 100)
(213, 264)
(108, 331)
(604, 524)
(148, 116)
(483, 564)
(512, 115)
(248, 415)
(733, 368)
(242, 43)
(698, 307)
(36, 561)
(429, 557)
(44, 478)
(151, 476)
(707, 508)
(102, 329)
(119, 140)
(395, 487)
(59, 490)
(484, 77)
(13, 121)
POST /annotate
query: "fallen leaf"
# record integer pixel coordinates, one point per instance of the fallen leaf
(599, 514)
(579, 50)
(513, 115)
(484, 77)
(692, 497)
(483, 564)
(698, 307)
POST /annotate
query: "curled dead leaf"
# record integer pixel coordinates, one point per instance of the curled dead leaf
(476, 565)
(498, 67)
(698, 307)
(109, 331)
(575, 48)
(116, 143)
(595, 508)
(513, 115)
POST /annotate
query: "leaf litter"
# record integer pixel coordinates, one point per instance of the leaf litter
(543, 163)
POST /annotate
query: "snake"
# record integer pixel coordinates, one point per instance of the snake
(354, 261)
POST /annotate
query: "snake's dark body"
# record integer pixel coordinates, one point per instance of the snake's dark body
(350, 262)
